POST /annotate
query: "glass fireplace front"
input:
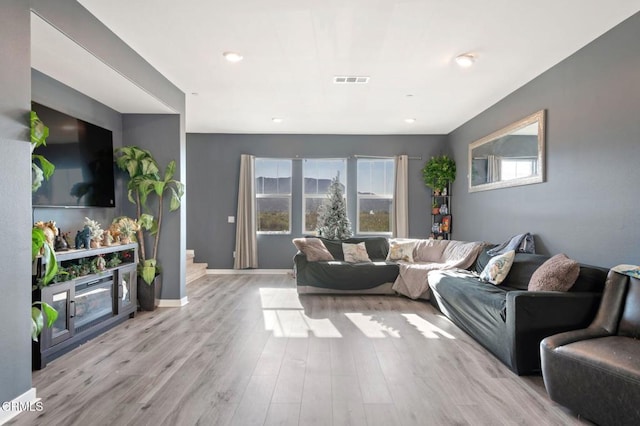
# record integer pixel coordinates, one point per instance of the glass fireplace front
(93, 302)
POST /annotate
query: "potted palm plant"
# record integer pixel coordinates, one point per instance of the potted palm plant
(438, 172)
(147, 183)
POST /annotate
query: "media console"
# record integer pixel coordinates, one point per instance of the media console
(87, 304)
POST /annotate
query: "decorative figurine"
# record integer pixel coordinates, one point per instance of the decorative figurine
(83, 238)
(101, 264)
(61, 243)
(50, 231)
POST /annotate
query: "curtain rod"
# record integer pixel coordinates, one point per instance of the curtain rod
(297, 157)
(382, 157)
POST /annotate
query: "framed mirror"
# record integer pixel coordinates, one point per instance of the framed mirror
(512, 156)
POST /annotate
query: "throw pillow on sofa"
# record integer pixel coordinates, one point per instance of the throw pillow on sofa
(498, 267)
(559, 273)
(399, 250)
(313, 248)
(354, 253)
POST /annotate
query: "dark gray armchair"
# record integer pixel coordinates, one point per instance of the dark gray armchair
(595, 372)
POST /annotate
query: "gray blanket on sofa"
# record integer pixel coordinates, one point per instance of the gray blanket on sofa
(521, 243)
(430, 255)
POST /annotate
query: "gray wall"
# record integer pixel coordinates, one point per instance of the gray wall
(212, 182)
(79, 25)
(52, 93)
(588, 207)
(159, 134)
(15, 193)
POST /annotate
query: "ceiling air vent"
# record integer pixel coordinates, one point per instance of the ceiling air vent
(350, 79)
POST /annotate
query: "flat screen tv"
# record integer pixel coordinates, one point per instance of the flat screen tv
(83, 155)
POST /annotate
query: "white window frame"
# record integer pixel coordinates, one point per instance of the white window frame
(343, 181)
(276, 195)
(374, 197)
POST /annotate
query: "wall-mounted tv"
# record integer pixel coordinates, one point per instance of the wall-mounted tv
(83, 155)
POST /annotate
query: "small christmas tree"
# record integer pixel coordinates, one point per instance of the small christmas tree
(333, 223)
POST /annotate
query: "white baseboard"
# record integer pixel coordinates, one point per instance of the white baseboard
(25, 402)
(172, 303)
(249, 271)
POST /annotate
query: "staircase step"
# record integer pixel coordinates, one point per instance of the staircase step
(195, 271)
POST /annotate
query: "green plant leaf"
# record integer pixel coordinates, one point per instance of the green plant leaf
(149, 166)
(47, 167)
(170, 171)
(132, 167)
(146, 221)
(159, 187)
(38, 240)
(37, 177)
(130, 196)
(50, 312)
(39, 132)
(148, 270)
(52, 264)
(174, 203)
(153, 230)
(37, 322)
(37, 318)
(148, 274)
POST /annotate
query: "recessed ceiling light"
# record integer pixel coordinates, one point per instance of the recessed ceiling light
(465, 60)
(232, 56)
(277, 119)
(410, 120)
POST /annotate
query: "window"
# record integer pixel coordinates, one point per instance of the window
(273, 195)
(375, 195)
(317, 175)
(514, 168)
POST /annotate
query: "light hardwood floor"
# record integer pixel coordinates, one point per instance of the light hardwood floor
(247, 350)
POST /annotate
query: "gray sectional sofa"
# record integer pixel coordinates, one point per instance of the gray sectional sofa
(338, 276)
(509, 320)
(382, 276)
(506, 319)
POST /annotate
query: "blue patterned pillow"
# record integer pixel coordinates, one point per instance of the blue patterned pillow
(498, 267)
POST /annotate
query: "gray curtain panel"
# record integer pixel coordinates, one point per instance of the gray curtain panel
(400, 217)
(246, 242)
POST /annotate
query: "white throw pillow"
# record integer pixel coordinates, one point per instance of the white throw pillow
(401, 251)
(354, 253)
(498, 267)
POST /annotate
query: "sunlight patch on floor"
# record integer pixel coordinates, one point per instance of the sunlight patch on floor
(279, 298)
(294, 323)
(284, 315)
(427, 329)
(370, 327)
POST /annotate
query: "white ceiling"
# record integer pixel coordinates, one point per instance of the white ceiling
(54, 54)
(293, 48)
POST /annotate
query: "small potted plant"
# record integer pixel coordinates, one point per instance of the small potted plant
(124, 228)
(95, 232)
(435, 209)
(438, 172)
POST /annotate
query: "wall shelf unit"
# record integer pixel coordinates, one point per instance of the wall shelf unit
(441, 216)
